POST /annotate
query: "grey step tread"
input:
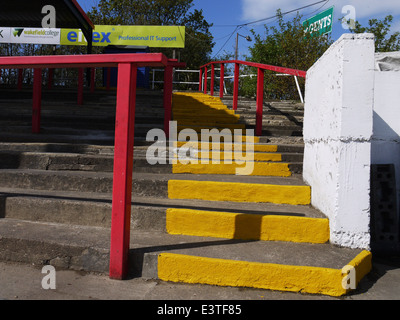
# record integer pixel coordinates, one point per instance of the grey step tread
(106, 176)
(14, 194)
(87, 248)
(48, 147)
(37, 160)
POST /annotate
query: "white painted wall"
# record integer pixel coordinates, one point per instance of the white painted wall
(386, 136)
(338, 125)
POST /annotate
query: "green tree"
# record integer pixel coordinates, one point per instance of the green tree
(284, 45)
(384, 41)
(199, 41)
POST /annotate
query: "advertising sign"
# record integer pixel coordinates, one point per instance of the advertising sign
(320, 24)
(150, 36)
(30, 35)
(5, 35)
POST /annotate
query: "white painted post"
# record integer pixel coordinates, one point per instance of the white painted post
(337, 133)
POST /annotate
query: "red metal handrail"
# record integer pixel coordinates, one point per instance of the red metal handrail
(124, 128)
(261, 68)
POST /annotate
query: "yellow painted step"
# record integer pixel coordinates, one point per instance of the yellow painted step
(248, 168)
(239, 192)
(225, 146)
(221, 121)
(236, 138)
(217, 155)
(247, 226)
(221, 272)
(198, 127)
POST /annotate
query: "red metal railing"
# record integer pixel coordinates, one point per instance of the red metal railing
(261, 68)
(124, 127)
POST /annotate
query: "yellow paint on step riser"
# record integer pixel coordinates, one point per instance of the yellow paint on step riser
(183, 111)
(247, 226)
(206, 121)
(224, 126)
(201, 145)
(220, 272)
(362, 264)
(239, 192)
(247, 168)
(216, 155)
(236, 139)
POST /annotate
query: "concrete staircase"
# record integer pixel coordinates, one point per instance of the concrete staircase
(194, 223)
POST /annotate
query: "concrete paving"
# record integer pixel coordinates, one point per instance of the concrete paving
(23, 282)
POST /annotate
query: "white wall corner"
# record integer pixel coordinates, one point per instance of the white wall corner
(338, 124)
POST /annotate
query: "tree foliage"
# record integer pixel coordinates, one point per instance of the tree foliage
(284, 45)
(384, 41)
(199, 41)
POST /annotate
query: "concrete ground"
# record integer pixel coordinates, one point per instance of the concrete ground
(23, 282)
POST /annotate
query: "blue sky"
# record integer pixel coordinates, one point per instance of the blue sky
(227, 14)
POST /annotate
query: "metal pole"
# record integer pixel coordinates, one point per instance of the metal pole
(237, 45)
(123, 166)
(260, 101)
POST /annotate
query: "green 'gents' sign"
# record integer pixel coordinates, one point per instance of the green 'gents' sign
(320, 24)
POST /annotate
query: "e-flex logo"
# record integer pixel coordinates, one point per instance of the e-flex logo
(101, 37)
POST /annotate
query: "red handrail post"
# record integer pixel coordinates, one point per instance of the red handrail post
(221, 81)
(80, 86)
(200, 79)
(50, 79)
(123, 165)
(236, 87)
(168, 86)
(20, 78)
(260, 101)
(37, 100)
(92, 79)
(212, 79)
(205, 80)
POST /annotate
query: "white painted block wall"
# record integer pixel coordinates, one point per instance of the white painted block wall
(386, 137)
(338, 124)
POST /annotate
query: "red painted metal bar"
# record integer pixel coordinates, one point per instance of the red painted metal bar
(205, 80)
(167, 98)
(124, 131)
(261, 68)
(236, 87)
(212, 79)
(80, 86)
(200, 79)
(260, 101)
(284, 70)
(92, 79)
(37, 100)
(79, 61)
(123, 164)
(221, 81)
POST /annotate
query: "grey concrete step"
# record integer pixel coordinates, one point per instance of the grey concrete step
(144, 184)
(101, 163)
(44, 147)
(94, 209)
(87, 248)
